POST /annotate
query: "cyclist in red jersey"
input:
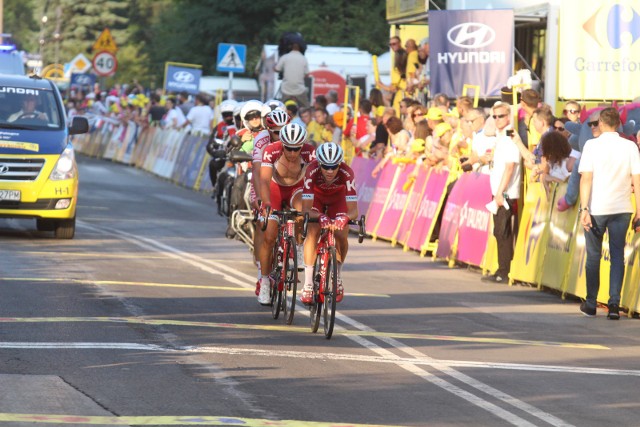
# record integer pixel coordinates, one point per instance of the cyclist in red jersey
(329, 194)
(281, 178)
(226, 125)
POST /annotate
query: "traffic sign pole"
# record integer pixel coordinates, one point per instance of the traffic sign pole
(230, 92)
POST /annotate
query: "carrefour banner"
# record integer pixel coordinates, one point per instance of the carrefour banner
(599, 54)
(470, 47)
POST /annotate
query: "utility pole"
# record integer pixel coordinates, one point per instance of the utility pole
(1, 18)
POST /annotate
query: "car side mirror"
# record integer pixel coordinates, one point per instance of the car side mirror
(79, 125)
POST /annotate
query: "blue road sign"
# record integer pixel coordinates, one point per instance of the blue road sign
(231, 57)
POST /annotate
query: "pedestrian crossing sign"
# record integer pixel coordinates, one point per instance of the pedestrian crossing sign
(231, 57)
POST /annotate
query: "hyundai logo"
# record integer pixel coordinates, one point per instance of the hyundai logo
(471, 35)
(4, 169)
(83, 80)
(183, 76)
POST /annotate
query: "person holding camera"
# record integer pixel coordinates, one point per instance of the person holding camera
(476, 142)
(609, 166)
(505, 177)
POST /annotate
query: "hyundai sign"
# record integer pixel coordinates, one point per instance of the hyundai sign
(473, 47)
(183, 79)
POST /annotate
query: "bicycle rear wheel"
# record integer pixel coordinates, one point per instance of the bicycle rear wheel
(330, 292)
(316, 306)
(290, 280)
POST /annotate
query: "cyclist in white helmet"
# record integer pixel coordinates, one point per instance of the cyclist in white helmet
(329, 194)
(283, 168)
(225, 125)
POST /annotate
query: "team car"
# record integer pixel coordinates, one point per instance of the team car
(38, 171)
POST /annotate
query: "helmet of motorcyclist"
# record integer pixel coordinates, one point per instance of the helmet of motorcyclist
(293, 135)
(251, 109)
(329, 154)
(274, 104)
(276, 119)
(228, 106)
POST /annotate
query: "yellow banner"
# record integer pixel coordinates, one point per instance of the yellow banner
(27, 146)
(562, 230)
(403, 8)
(532, 236)
(599, 49)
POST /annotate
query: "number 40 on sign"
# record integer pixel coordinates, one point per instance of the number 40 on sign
(105, 64)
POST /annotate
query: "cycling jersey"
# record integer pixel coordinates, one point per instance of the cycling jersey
(260, 141)
(279, 192)
(330, 195)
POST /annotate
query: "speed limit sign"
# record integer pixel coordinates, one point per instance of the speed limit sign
(105, 64)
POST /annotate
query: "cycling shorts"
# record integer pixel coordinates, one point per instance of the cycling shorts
(335, 203)
(282, 195)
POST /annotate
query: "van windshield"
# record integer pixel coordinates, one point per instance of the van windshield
(26, 108)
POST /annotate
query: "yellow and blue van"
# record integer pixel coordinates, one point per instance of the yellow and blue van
(38, 171)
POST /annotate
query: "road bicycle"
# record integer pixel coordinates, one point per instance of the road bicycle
(284, 271)
(325, 276)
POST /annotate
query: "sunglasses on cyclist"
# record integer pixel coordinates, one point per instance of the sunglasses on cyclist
(252, 116)
(294, 149)
(275, 132)
(593, 124)
(330, 168)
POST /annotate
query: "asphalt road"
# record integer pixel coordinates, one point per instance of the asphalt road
(148, 317)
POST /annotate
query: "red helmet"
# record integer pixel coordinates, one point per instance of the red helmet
(277, 118)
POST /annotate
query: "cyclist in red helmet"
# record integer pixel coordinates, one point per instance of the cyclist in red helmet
(329, 194)
(283, 167)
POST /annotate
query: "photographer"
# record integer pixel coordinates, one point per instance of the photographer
(476, 142)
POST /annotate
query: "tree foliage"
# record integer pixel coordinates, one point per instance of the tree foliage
(151, 32)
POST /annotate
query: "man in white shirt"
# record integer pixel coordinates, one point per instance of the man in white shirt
(200, 117)
(505, 177)
(332, 106)
(482, 145)
(609, 165)
(294, 68)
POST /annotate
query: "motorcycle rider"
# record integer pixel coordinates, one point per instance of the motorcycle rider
(225, 127)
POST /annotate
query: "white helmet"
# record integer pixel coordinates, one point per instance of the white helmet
(274, 104)
(228, 106)
(249, 107)
(329, 154)
(238, 108)
(293, 135)
(265, 110)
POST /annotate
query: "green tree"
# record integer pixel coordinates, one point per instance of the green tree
(20, 23)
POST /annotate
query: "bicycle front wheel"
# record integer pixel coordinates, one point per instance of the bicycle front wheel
(290, 280)
(330, 292)
(316, 306)
(276, 291)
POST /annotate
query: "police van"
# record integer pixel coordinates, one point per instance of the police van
(38, 171)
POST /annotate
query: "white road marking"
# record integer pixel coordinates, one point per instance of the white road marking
(497, 411)
(235, 351)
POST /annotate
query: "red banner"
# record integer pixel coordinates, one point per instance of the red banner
(428, 209)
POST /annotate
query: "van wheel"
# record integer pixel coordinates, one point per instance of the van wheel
(45, 224)
(65, 229)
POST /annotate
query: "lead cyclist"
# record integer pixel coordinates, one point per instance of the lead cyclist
(329, 194)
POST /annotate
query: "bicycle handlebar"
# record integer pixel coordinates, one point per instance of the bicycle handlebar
(360, 223)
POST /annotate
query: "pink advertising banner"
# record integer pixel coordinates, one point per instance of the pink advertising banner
(415, 196)
(397, 201)
(466, 212)
(376, 207)
(427, 209)
(365, 183)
